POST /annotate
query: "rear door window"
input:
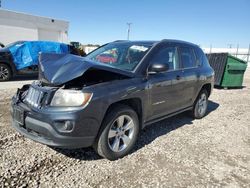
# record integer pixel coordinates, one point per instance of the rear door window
(187, 57)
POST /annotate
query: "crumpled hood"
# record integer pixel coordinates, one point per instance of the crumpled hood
(58, 69)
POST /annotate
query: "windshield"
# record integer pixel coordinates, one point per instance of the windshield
(125, 56)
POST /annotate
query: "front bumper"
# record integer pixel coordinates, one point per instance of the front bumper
(44, 133)
(42, 126)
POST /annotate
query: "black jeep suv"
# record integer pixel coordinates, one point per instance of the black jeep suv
(104, 99)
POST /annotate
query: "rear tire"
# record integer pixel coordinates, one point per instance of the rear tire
(119, 133)
(5, 72)
(200, 105)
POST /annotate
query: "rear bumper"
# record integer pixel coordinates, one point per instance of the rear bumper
(44, 133)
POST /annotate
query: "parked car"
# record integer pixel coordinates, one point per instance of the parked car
(79, 102)
(106, 58)
(21, 57)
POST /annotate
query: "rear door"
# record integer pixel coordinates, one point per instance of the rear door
(165, 88)
(190, 66)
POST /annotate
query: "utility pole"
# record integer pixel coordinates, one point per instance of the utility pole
(230, 45)
(210, 51)
(129, 25)
(237, 50)
(248, 54)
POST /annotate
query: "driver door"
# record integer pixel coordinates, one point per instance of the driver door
(165, 88)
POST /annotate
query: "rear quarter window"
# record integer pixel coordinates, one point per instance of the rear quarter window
(201, 57)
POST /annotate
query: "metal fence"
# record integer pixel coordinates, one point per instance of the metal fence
(241, 53)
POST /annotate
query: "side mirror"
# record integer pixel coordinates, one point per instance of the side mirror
(1, 45)
(157, 68)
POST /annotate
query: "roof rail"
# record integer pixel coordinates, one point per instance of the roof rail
(178, 41)
(120, 40)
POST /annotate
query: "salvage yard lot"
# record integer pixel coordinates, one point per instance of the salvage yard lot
(179, 151)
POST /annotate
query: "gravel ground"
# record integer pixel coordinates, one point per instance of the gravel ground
(16, 82)
(176, 152)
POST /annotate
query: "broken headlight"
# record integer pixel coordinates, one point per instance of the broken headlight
(70, 98)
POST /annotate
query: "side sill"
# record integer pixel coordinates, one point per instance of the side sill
(166, 116)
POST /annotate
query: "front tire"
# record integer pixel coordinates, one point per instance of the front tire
(119, 133)
(5, 72)
(200, 105)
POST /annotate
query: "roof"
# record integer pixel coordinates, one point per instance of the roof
(17, 19)
(26, 14)
(137, 41)
(179, 41)
(152, 42)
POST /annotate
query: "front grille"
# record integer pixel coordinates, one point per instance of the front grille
(35, 97)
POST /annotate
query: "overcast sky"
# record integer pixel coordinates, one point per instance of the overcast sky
(216, 22)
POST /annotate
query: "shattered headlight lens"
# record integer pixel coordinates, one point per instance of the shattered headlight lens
(70, 98)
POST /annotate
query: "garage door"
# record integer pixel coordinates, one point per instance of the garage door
(9, 34)
(48, 35)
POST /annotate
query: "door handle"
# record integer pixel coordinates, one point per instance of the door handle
(178, 77)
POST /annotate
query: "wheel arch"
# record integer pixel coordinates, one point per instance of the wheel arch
(134, 103)
(207, 87)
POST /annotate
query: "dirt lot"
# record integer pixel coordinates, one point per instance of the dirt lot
(177, 152)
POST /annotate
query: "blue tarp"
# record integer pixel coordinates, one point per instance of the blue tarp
(26, 54)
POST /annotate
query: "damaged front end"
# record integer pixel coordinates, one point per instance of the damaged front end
(62, 78)
(60, 109)
(37, 95)
(54, 116)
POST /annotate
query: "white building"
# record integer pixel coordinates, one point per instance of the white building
(88, 49)
(15, 26)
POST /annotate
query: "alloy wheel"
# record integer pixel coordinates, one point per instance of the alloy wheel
(121, 133)
(4, 73)
(202, 104)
